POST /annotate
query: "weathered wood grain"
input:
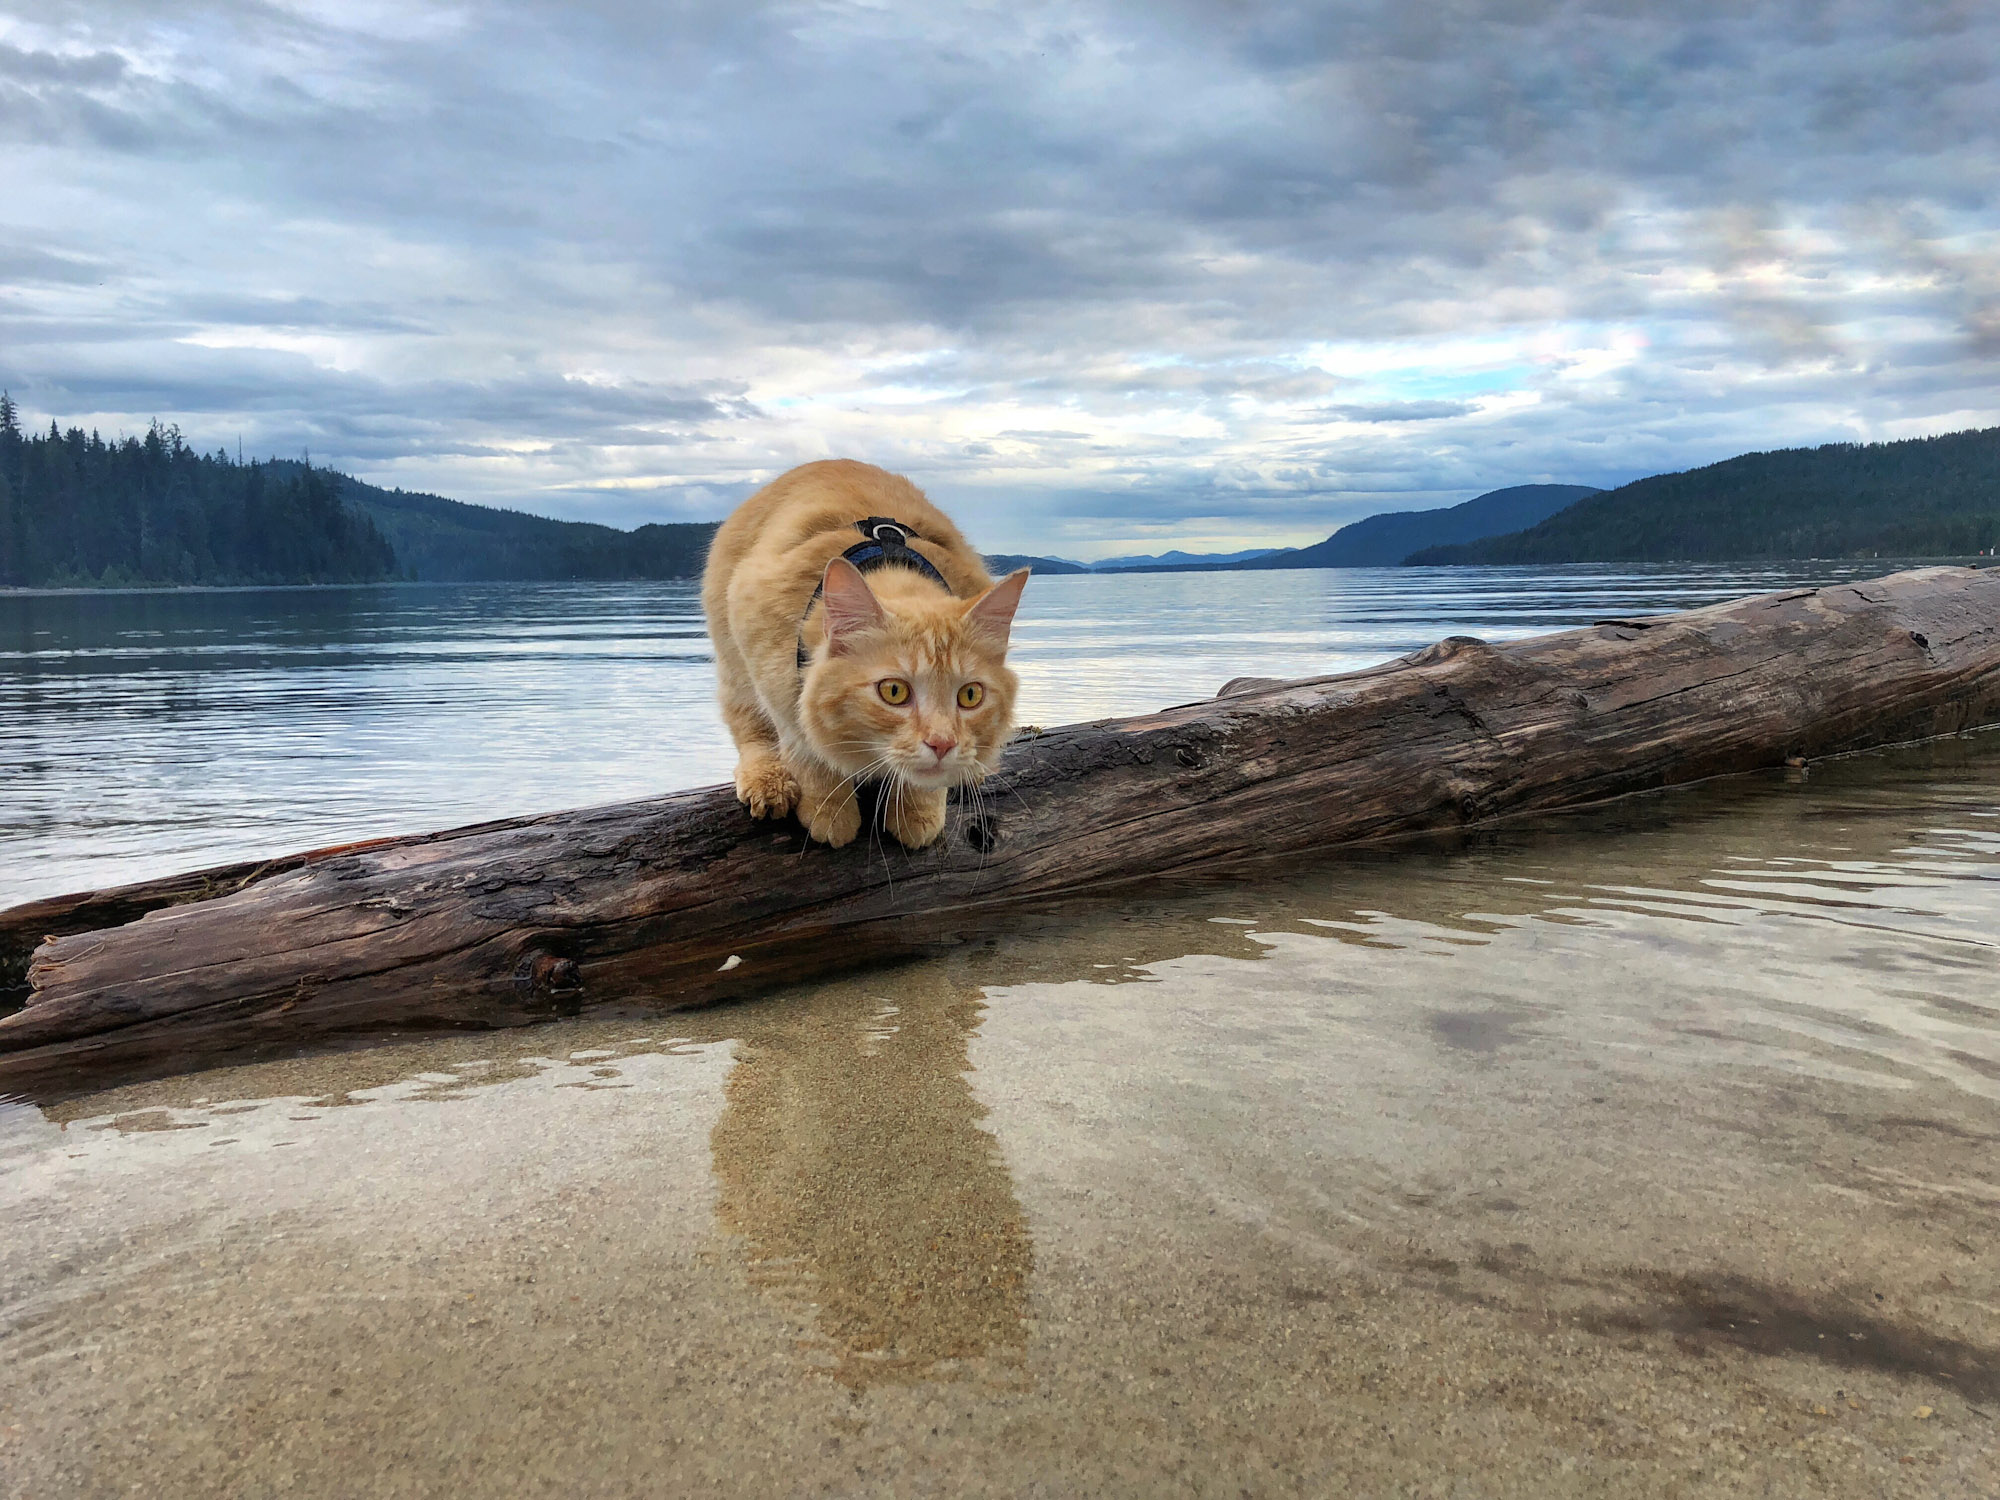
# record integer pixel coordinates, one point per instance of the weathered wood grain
(649, 901)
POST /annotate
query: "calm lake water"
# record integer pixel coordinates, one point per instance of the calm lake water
(145, 733)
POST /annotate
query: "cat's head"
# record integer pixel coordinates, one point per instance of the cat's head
(915, 686)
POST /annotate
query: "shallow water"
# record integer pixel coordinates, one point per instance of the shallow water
(143, 734)
(1653, 1151)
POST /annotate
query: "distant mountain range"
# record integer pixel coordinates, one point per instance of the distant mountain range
(998, 563)
(1379, 541)
(1382, 541)
(75, 509)
(1923, 497)
(1178, 560)
(1006, 562)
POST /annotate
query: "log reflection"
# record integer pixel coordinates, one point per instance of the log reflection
(854, 1168)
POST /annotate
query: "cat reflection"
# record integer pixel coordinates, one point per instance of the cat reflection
(853, 1166)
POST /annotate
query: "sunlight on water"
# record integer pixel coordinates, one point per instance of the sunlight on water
(145, 733)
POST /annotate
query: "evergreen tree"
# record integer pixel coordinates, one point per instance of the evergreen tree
(12, 564)
(75, 508)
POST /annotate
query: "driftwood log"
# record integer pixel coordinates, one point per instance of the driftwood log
(683, 899)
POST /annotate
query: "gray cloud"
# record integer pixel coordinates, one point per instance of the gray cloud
(1096, 268)
(290, 313)
(19, 65)
(21, 264)
(1400, 411)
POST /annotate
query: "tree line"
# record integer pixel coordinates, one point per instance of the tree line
(76, 509)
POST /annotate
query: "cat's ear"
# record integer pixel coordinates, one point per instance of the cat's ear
(850, 606)
(993, 611)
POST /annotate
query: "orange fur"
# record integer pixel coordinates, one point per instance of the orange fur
(806, 741)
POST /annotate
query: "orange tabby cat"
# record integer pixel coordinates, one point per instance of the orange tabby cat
(830, 676)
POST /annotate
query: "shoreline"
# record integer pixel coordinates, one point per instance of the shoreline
(1978, 560)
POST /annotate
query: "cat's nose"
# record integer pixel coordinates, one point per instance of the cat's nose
(941, 744)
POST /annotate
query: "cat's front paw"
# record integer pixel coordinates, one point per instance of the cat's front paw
(833, 820)
(914, 818)
(766, 787)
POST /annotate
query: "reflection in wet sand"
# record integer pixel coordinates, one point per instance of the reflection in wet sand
(853, 1165)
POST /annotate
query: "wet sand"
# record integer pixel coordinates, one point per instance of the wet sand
(1653, 1152)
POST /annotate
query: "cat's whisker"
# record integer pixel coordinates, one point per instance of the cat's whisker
(978, 796)
(892, 787)
(836, 790)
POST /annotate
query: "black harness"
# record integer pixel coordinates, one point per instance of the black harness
(886, 543)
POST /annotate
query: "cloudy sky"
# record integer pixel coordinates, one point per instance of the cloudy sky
(1102, 276)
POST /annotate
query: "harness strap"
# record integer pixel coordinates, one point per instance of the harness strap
(885, 543)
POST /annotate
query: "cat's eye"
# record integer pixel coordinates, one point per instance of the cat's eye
(894, 691)
(971, 695)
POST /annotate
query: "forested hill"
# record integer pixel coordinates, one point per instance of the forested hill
(78, 510)
(436, 538)
(1923, 497)
(75, 509)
